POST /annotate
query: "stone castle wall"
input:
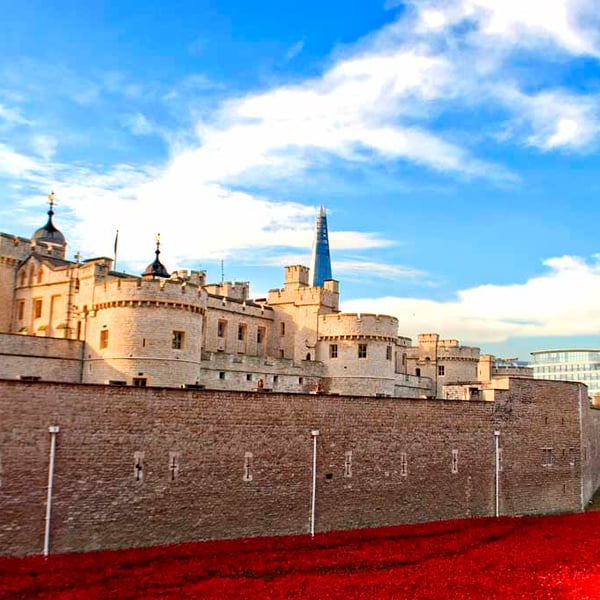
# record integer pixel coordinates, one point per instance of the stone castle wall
(45, 358)
(229, 464)
(222, 371)
(13, 250)
(225, 317)
(443, 361)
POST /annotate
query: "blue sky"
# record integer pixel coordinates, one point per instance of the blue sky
(453, 142)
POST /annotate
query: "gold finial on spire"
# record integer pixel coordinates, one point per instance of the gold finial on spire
(51, 199)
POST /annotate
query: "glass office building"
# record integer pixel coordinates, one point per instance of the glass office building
(321, 270)
(569, 365)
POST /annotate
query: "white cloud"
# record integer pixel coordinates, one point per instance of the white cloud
(12, 116)
(563, 301)
(564, 23)
(294, 50)
(379, 101)
(555, 119)
(371, 269)
(15, 164)
(44, 146)
(217, 222)
(139, 124)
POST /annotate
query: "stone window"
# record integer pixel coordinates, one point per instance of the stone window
(260, 335)
(140, 381)
(275, 378)
(173, 465)
(37, 308)
(282, 329)
(348, 464)
(40, 275)
(23, 277)
(388, 353)
(418, 372)
(572, 457)
(546, 457)
(247, 466)
(441, 370)
(138, 466)
(300, 380)
(103, 339)
(177, 340)
(403, 465)
(241, 332)
(20, 309)
(248, 376)
(362, 351)
(221, 328)
(281, 353)
(455, 461)
(221, 374)
(333, 350)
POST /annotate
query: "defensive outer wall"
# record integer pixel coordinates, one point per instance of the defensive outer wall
(144, 466)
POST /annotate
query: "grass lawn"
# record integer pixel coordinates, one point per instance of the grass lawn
(531, 557)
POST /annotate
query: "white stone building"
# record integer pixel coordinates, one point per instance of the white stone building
(80, 321)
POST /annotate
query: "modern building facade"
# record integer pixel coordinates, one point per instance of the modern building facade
(321, 269)
(569, 364)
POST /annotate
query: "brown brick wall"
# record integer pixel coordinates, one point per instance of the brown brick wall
(531, 417)
(99, 504)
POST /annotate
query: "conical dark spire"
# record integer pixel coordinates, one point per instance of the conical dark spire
(49, 232)
(156, 268)
(321, 268)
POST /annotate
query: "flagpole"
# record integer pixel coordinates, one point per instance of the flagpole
(115, 250)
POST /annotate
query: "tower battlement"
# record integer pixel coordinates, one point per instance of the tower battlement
(147, 290)
(358, 324)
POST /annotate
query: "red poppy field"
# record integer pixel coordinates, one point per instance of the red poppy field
(533, 557)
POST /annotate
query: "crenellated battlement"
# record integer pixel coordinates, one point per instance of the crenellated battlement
(241, 307)
(237, 290)
(384, 327)
(137, 290)
(459, 353)
(304, 296)
(14, 246)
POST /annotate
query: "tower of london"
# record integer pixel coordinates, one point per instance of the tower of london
(81, 321)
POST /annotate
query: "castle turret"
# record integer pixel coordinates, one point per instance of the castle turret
(49, 239)
(156, 269)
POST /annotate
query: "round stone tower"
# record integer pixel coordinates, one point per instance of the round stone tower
(144, 331)
(358, 351)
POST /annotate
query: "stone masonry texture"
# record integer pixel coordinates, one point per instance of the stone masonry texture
(244, 461)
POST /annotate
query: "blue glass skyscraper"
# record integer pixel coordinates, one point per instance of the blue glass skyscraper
(321, 268)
